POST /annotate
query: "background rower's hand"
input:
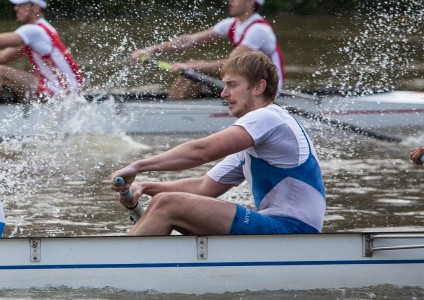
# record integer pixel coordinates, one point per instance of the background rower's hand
(142, 52)
(415, 155)
(177, 67)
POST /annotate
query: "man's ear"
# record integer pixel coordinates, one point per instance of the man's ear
(259, 88)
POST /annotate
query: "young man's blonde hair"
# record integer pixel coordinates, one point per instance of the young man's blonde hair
(254, 66)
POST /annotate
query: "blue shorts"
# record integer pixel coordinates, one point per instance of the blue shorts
(247, 221)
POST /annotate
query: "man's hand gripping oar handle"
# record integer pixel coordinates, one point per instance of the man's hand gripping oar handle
(126, 194)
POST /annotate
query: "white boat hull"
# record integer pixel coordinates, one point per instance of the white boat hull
(382, 112)
(391, 110)
(215, 264)
(156, 117)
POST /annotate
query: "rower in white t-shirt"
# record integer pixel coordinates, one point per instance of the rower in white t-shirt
(54, 70)
(265, 146)
(254, 33)
(246, 30)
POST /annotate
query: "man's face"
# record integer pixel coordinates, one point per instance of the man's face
(238, 8)
(24, 12)
(237, 94)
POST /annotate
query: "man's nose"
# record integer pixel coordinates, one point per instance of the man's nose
(224, 92)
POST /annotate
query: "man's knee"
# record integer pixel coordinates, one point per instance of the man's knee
(164, 201)
(160, 199)
(180, 89)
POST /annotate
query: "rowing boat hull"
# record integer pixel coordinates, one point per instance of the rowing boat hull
(140, 117)
(382, 112)
(214, 264)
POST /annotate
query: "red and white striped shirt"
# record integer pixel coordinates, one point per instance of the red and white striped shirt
(255, 33)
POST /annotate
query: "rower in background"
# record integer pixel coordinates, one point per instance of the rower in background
(54, 70)
(417, 155)
(246, 30)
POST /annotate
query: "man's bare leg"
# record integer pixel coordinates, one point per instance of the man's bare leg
(20, 82)
(187, 213)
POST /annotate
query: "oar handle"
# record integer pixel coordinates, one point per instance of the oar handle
(160, 64)
(422, 159)
(126, 194)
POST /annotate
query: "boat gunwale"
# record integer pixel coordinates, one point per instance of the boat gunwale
(347, 233)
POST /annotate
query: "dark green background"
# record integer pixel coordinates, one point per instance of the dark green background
(76, 9)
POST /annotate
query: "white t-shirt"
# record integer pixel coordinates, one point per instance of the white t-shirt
(259, 36)
(36, 37)
(281, 168)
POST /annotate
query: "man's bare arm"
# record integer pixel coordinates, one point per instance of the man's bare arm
(180, 43)
(12, 45)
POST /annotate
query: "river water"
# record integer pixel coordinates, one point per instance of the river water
(57, 185)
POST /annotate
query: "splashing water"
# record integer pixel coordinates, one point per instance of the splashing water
(61, 144)
(381, 52)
